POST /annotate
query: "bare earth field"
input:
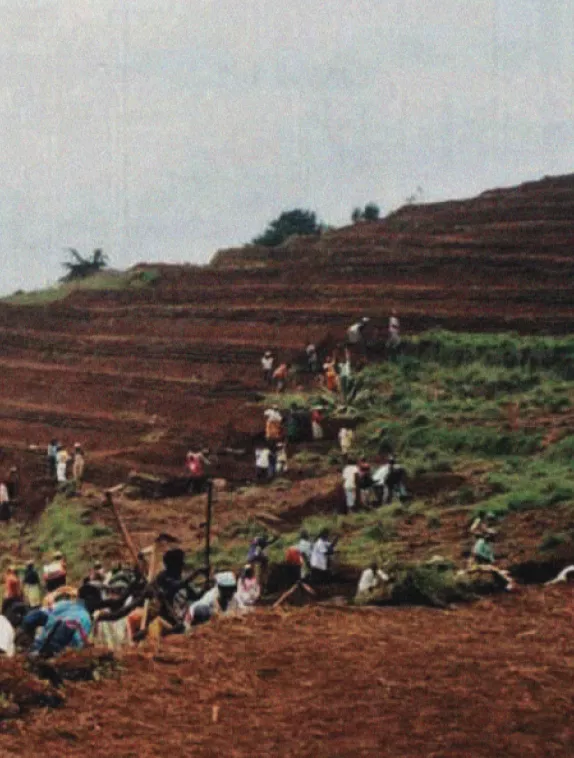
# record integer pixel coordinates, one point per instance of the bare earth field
(492, 679)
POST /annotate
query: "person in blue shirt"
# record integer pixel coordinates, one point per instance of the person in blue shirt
(67, 624)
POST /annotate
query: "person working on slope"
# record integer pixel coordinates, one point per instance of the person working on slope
(350, 484)
(280, 376)
(483, 560)
(312, 358)
(248, 588)
(221, 599)
(323, 550)
(31, 585)
(371, 580)
(195, 464)
(267, 366)
(394, 339)
(13, 592)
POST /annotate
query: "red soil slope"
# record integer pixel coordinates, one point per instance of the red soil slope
(493, 679)
(140, 376)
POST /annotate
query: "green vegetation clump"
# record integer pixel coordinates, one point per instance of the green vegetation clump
(104, 281)
(67, 526)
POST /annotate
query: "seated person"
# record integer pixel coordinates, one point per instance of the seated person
(220, 599)
(371, 579)
(248, 589)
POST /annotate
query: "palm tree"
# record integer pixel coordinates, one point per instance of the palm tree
(79, 267)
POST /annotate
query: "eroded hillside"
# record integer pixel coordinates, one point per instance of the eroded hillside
(139, 375)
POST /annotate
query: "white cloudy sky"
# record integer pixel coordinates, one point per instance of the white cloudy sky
(165, 130)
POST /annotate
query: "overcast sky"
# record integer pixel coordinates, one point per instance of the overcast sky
(166, 130)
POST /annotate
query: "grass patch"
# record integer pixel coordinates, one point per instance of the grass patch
(102, 281)
(66, 525)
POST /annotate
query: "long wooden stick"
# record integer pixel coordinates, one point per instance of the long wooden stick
(151, 572)
(122, 527)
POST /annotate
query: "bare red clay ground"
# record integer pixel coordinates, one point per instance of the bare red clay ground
(492, 679)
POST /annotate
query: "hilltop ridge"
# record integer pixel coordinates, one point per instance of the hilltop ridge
(140, 373)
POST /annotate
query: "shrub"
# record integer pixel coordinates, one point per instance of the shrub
(428, 585)
(562, 451)
(551, 540)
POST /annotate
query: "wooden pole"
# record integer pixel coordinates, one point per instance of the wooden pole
(150, 576)
(209, 507)
(123, 531)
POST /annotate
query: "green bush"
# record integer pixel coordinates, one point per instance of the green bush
(428, 585)
(551, 540)
(562, 451)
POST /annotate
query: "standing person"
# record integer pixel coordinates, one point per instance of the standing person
(305, 548)
(395, 482)
(345, 378)
(273, 424)
(267, 366)
(350, 484)
(331, 377)
(281, 464)
(52, 457)
(31, 585)
(5, 509)
(280, 376)
(13, 484)
(54, 574)
(356, 334)
(262, 460)
(345, 439)
(323, 549)
(196, 463)
(12, 589)
(316, 421)
(364, 482)
(380, 483)
(61, 465)
(312, 358)
(394, 339)
(78, 463)
(257, 557)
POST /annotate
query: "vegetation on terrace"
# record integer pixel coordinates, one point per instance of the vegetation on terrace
(494, 410)
(102, 281)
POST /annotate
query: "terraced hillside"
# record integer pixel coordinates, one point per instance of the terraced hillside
(139, 375)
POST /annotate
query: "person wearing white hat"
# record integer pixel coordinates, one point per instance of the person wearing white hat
(220, 599)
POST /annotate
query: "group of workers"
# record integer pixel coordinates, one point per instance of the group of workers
(115, 608)
(365, 487)
(62, 466)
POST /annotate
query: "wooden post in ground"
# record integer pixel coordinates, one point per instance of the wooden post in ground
(208, 514)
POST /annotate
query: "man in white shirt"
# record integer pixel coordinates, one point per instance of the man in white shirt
(371, 579)
(7, 636)
(350, 473)
(323, 549)
(380, 483)
(394, 331)
(262, 460)
(220, 599)
(267, 366)
(355, 332)
(305, 548)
